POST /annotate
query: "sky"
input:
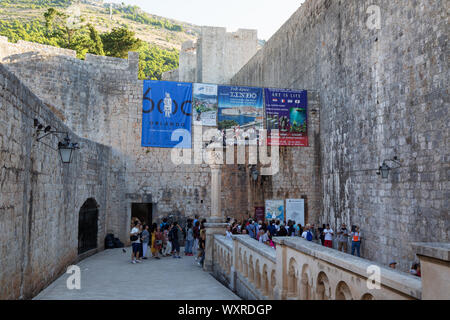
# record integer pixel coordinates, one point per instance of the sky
(266, 16)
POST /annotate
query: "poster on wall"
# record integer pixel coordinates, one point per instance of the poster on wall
(167, 114)
(241, 109)
(205, 104)
(287, 111)
(275, 210)
(295, 210)
(260, 214)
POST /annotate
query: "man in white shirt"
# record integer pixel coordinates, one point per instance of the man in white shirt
(135, 243)
(328, 237)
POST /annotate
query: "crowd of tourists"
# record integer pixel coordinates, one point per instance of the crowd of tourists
(164, 240)
(325, 235)
(264, 232)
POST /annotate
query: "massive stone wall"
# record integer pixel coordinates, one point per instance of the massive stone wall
(40, 198)
(101, 99)
(216, 56)
(383, 93)
(221, 54)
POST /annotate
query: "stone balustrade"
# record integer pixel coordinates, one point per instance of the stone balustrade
(301, 270)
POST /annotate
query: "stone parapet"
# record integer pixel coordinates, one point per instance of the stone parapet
(301, 270)
(435, 269)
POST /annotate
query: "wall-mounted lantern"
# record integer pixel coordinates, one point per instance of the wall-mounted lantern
(385, 169)
(65, 147)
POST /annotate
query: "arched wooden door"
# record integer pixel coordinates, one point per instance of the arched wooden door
(88, 226)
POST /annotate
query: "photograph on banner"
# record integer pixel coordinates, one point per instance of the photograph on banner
(275, 210)
(167, 114)
(287, 111)
(242, 110)
(295, 210)
(205, 105)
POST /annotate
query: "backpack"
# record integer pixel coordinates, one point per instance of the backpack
(171, 234)
(309, 236)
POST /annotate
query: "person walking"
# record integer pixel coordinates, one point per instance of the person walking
(145, 241)
(229, 234)
(175, 235)
(202, 244)
(167, 245)
(322, 235)
(135, 243)
(356, 241)
(196, 237)
(251, 230)
(272, 229)
(157, 238)
(342, 238)
(328, 237)
(282, 232)
(189, 239)
(307, 235)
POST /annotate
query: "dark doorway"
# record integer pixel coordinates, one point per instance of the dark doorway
(142, 211)
(88, 226)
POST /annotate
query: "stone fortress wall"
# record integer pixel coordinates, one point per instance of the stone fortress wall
(216, 56)
(383, 93)
(40, 197)
(100, 99)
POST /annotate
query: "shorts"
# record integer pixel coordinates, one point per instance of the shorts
(328, 243)
(136, 247)
(175, 245)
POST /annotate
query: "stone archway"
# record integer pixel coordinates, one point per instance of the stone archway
(343, 291)
(251, 271)
(293, 279)
(257, 275)
(323, 291)
(265, 281)
(245, 265)
(305, 284)
(273, 283)
(367, 296)
(240, 264)
(88, 226)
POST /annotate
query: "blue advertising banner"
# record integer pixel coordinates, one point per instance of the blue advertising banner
(167, 114)
(287, 111)
(240, 108)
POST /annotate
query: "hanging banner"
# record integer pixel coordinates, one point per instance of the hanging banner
(275, 210)
(260, 214)
(167, 114)
(287, 111)
(205, 104)
(295, 210)
(241, 109)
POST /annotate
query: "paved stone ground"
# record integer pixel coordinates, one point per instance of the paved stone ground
(109, 275)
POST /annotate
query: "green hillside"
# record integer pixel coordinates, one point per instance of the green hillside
(89, 26)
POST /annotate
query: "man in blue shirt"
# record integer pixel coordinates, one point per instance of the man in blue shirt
(272, 229)
(251, 229)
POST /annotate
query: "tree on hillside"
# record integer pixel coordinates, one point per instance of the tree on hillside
(58, 26)
(97, 43)
(119, 41)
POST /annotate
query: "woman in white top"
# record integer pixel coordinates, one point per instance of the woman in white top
(229, 234)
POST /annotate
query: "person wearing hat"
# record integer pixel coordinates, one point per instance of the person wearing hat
(393, 264)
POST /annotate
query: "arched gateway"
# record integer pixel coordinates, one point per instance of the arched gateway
(88, 226)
